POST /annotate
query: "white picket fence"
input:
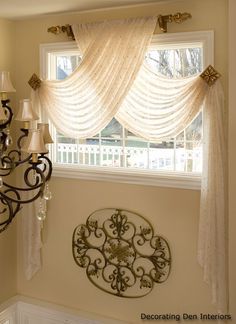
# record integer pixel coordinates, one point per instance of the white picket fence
(131, 157)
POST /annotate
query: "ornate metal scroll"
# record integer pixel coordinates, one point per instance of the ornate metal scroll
(56, 30)
(210, 75)
(35, 82)
(120, 253)
(178, 18)
(162, 22)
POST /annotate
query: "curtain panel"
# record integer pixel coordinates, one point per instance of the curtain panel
(113, 81)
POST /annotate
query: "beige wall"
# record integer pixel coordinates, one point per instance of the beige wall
(7, 238)
(7, 37)
(232, 155)
(173, 213)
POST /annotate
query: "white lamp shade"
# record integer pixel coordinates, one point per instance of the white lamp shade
(5, 82)
(26, 112)
(34, 142)
(46, 134)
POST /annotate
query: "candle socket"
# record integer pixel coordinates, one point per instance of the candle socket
(3, 96)
(34, 158)
(26, 125)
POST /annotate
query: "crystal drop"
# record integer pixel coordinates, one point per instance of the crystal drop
(47, 195)
(41, 215)
(9, 140)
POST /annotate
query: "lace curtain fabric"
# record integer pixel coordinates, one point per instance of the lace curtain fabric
(91, 96)
(32, 243)
(157, 107)
(112, 80)
(212, 224)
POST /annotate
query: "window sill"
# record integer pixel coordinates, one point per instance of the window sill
(131, 176)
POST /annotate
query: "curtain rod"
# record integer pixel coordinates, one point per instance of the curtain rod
(162, 22)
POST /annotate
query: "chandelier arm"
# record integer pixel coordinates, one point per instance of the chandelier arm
(5, 174)
(19, 200)
(49, 171)
(37, 179)
(12, 164)
(22, 189)
(8, 121)
(37, 168)
(12, 212)
(32, 187)
(18, 162)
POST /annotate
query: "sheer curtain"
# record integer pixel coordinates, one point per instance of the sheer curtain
(91, 96)
(112, 80)
(157, 108)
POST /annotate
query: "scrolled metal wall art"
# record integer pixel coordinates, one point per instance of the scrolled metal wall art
(120, 253)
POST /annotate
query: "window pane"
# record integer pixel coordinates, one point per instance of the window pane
(62, 139)
(176, 63)
(180, 157)
(194, 130)
(65, 65)
(113, 129)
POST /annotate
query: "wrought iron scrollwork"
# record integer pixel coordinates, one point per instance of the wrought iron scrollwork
(120, 252)
(35, 174)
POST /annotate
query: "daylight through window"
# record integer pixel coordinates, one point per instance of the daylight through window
(117, 147)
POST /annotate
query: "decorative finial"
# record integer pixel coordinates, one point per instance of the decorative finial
(178, 18)
(56, 30)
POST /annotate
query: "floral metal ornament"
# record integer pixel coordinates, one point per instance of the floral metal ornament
(210, 75)
(35, 82)
(120, 253)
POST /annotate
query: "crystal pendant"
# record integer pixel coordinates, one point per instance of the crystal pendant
(41, 215)
(9, 140)
(47, 195)
(1, 182)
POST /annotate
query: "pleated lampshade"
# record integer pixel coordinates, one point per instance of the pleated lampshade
(46, 134)
(34, 142)
(5, 82)
(26, 112)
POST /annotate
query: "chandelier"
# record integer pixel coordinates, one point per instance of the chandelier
(29, 157)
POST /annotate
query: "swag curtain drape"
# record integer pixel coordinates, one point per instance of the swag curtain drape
(157, 107)
(112, 80)
(91, 96)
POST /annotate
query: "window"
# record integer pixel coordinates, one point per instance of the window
(116, 150)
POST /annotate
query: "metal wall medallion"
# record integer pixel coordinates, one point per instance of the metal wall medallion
(120, 253)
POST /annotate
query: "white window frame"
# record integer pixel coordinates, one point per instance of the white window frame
(124, 175)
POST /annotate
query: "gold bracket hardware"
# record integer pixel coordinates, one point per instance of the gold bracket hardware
(210, 75)
(162, 21)
(178, 18)
(34, 82)
(62, 29)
